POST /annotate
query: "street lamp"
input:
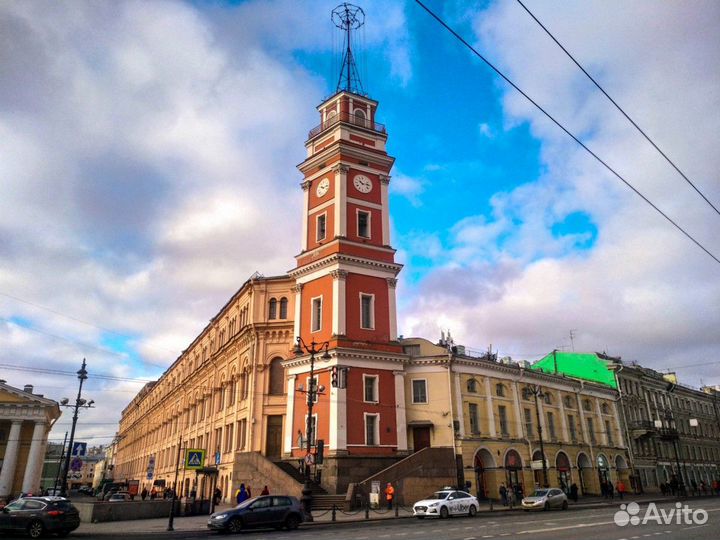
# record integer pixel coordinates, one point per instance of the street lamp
(79, 403)
(312, 391)
(669, 432)
(536, 391)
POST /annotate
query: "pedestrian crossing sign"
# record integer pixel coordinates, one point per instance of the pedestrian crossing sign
(194, 458)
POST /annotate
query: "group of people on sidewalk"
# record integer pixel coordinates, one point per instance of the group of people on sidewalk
(607, 490)
(243, 493)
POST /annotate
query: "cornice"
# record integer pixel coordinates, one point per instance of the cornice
(346, 259)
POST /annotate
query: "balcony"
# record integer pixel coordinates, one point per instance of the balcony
(357, 121)
(668, 434)
(641, 428)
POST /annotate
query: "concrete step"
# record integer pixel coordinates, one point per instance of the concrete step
(326, 502)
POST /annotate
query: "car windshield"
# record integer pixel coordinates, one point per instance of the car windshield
(539, 493)
(438, 496)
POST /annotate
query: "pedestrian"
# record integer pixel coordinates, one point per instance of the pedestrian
(620, 489)
(693, 483)
(241, 494)
(217, 496)
(503, 494)
(249, 492)
(389, 495)
(716, 487)
(574, 492)
(144, 493)
(265, 491)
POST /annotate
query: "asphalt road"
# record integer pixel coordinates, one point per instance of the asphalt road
(588, 524)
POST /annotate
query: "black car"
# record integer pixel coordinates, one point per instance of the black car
(40, 515)
(266, 511)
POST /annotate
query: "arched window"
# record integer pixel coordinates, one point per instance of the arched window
(277, 377)
(359, 117)
(548, 398)
(568, 401)
(472, 385)
(500, 390)
(272, 314)
(587, 405)
(604, 408)
(245, 383)
(283, 307)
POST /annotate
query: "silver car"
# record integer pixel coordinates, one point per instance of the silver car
(545, 499)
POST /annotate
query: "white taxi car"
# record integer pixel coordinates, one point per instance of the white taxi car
(446, 502)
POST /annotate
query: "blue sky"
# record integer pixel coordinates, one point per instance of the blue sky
(148, 168)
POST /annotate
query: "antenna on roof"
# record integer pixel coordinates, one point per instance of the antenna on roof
(348, 17)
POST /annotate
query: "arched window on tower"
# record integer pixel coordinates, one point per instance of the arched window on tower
(272, 314)
(283, 307)
(359, 117)
(277, 377)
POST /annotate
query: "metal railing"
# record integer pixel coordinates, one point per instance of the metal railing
(356, 120)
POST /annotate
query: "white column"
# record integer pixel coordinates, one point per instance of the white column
(306, 214)
(33, 468)
(459, 404)
(385, 202)
(289, 414)
(341, 200)
(518, 416)
(563, 418)
(392, 307)
(490, 411)
(338, 315)
(298, 308)
(601, 423)
(7, 474)
(541, 411)
(400, 420)
(338, 420)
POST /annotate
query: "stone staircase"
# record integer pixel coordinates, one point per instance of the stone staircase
(290, 469)
(326, 502)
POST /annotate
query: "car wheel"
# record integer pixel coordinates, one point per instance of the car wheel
(444, 512)
(564, 505)
(36, 529)
(472, 511)
(292, 522)
(547, 506)
(235, 525)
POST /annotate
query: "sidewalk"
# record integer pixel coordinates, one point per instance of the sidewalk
(199, 523)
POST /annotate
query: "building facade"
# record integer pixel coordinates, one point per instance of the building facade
(488, 411)
(674, 430)
(25, 421)
(224, 394)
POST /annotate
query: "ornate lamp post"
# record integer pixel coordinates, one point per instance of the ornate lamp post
(536, 391)
(312, 391)
(79, 403)
(669, 432)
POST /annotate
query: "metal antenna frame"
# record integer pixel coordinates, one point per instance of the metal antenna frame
(348, 17)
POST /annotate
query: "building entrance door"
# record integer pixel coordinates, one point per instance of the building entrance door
(421, 438)
(273, 442)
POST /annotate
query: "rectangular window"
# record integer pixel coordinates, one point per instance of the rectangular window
(474, 418)
(528, 422)
(591, 430)
(502, 414)
(240, 444)
(367, 311)
(228, 437)
(313, 429)
(419, 391)
(551, 425)
(608, 430)
(321, 230)
(372, 431)
(370, 383)
(316, 323)
(571, 427)
(363, 221)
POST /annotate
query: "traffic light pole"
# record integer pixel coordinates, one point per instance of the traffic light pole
(82, 375)
(171, 518)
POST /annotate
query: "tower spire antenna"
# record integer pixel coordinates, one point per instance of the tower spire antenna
(348, 17)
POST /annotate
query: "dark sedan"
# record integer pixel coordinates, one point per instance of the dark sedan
(39, 515)
(267, 511)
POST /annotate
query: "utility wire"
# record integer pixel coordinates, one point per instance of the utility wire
(562, 127)
(619, 108)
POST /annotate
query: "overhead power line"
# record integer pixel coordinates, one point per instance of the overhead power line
(568, 132)
(619, 108)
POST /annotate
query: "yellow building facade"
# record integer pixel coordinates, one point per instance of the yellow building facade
(224, 394)
(488, 411)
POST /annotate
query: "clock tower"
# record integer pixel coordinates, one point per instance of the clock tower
(346, 277)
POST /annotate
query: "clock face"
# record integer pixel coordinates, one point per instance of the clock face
(323, 187)
(362, 183)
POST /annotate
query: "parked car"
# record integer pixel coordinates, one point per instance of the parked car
(545, 499)
(86, 490)
(39, 515)
(120, 496)
(445, 503)
(266, 511)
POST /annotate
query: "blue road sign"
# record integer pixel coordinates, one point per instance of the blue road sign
(194, 458)
(79, 449)
(76, 464)
(217, 458)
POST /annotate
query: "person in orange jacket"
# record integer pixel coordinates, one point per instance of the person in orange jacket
(389, 495)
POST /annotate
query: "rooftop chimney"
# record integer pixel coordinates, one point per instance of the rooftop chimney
(28, 388)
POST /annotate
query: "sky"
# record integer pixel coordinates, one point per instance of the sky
(148, 156)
